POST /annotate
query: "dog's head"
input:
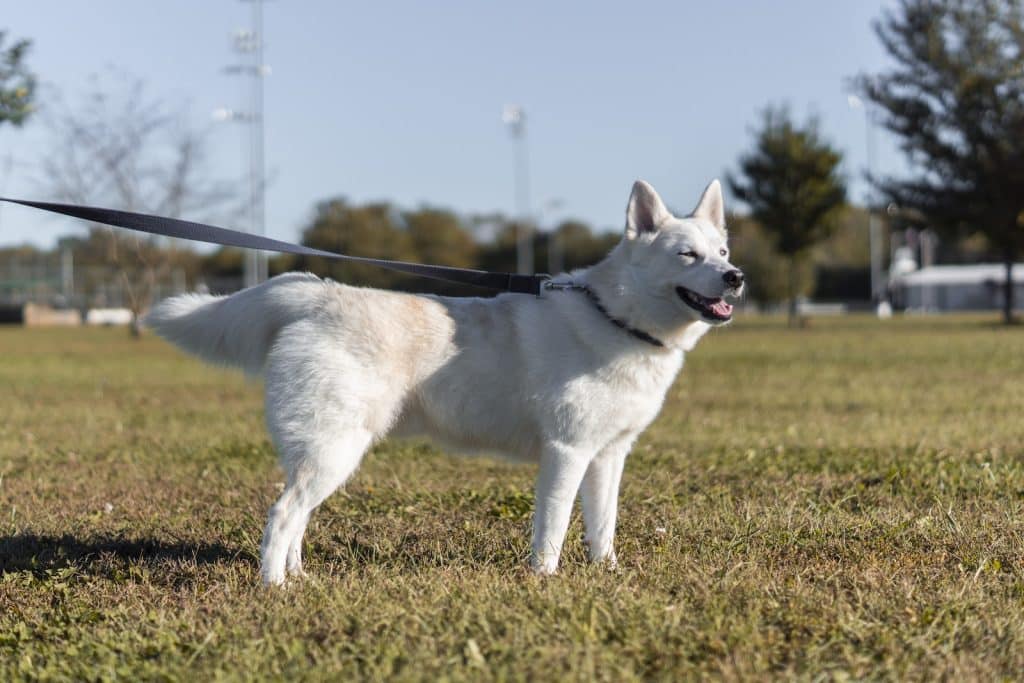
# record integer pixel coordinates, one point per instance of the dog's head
(682, 264)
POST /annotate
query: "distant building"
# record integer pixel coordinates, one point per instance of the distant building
(38, 315)
(973, 287)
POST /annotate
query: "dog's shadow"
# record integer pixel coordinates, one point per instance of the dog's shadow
(41, 554)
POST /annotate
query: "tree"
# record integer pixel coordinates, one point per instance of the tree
(754, 248)
(17, 84)
(370, 230)
(131, 152)
(575, 244)
(791, 183)
(438, 237)
(842, 263)
(101, 246)
(579, 245)
(955, 99)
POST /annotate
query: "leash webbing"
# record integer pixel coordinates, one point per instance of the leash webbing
(211, 234)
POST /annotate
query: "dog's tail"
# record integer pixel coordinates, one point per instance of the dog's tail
(239, 329)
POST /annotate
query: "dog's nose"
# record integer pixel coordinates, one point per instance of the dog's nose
(733, 278)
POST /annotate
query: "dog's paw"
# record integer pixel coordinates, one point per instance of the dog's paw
(273, 579)
(544, 566)
(607, 561)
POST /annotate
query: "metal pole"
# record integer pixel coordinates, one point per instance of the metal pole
(556, 256)
(927, 240)
(67, 272)
(514, 117)
(251, 42)
(874, 230)
(258, 169)
(524, 245)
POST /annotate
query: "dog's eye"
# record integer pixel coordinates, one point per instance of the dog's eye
(723, 252)
(690, 254)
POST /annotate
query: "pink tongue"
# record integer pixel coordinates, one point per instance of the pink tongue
(722, 308)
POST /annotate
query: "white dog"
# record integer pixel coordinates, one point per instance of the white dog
(567, 380)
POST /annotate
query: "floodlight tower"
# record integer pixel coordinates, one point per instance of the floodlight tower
(250, 42)
(874, 237)
(514, 116)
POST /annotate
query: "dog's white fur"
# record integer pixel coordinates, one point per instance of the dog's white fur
(549, 380)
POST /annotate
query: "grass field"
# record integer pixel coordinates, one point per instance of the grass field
(841, 501)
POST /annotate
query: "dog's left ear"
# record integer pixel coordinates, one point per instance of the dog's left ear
(711, 206)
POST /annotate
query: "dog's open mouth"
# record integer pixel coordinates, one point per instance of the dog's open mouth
(712, 309)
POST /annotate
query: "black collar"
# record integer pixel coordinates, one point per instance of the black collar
(621, 324)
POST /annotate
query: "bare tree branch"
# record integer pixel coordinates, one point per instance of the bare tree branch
(121, 149)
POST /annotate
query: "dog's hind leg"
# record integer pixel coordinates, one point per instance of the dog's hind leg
(311, 478)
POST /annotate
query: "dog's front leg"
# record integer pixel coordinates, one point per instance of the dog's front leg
(600, 494)
(561, 470)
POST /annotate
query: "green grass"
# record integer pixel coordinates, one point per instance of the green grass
(841, 501)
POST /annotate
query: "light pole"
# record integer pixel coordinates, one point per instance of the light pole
(514, 116)
(874, 238)
(556, 255)
(250, 42)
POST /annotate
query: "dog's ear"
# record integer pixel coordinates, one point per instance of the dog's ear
(646, 212)
(711, 206)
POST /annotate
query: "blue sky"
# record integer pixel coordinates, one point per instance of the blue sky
(402, 100)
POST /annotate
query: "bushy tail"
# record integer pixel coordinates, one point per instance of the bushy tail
(238, 329)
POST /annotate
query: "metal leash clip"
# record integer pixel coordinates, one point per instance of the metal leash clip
(550, 284)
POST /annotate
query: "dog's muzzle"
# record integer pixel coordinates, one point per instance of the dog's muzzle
(714, 309)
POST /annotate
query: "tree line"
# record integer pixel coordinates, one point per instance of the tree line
(835, 268)
(421, 235)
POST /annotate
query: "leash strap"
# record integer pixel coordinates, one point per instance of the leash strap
(211, 234)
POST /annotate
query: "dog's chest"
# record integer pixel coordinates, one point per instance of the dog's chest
(621, 397)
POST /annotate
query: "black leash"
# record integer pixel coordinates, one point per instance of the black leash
(199, 232)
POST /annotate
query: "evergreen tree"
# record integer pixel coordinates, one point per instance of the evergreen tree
(791, 182)
(955, 99)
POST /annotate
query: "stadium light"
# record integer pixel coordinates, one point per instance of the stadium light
(249, 42)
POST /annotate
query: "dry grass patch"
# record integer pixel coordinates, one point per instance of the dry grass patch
(841, 501)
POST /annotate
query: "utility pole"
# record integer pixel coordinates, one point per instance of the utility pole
(514, 116)
(250, 42)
